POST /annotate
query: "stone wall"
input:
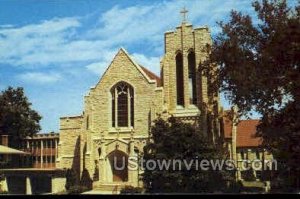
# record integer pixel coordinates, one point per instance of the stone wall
(79, 136)
(58, 184)
(82, 137)
(184, 39)
(263, 161)
(69, 142)
(122, 68)
(3, 185)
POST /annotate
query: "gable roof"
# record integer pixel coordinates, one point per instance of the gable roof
(246, 131)
(151, 75)
(122, 50)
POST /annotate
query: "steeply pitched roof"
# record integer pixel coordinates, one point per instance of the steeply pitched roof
(151, 75)
(246, 130)
(123, 51)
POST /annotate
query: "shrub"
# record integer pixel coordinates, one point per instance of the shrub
(86, 180)
(3, 192)
(235, 187)
(248, 175)
(2, 177)
(71, 179)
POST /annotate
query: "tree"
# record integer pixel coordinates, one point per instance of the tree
(86, 180)
(71, 179)
(174, 140)
(17, 119)
(259, 70)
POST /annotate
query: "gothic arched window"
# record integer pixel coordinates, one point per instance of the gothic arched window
(122, 105)
(192, 78)
(179, 79)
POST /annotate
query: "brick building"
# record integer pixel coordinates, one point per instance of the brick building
(40, 151)
(43, 150)
(32, 169)
(244, 147)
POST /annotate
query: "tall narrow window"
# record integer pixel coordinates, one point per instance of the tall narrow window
(113, 110)
(179, 79)
(122, 105)
(192, 78)
(122, 108)
(87, 122)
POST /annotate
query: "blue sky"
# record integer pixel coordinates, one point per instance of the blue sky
(58, 49)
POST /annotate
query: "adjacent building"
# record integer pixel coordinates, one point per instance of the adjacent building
(32, 169)
(254, 162)
(43, 150)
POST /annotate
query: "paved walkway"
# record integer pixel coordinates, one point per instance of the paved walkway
(96, 192)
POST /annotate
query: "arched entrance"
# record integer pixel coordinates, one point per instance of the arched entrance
(119, 161)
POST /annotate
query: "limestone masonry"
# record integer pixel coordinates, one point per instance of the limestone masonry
(120, 109)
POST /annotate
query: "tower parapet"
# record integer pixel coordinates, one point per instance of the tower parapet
(186, 86)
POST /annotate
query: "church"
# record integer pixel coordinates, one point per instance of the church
(118, 114)
(120, 108)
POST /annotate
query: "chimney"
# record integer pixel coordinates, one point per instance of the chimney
(4, 140)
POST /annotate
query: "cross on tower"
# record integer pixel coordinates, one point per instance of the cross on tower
(184, 14)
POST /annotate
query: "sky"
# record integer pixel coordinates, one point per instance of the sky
(57, 49)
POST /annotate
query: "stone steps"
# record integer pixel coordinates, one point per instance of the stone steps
(108, 188)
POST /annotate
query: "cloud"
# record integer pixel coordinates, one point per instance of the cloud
(148, 22)
(99, 67)
(152, 63)
(47, 27)
(65, 40)
(34, 43)
(38, 77)
(134, 24)
(73, 52)
(6, 26)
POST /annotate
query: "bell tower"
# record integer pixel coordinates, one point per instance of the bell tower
(186, 86)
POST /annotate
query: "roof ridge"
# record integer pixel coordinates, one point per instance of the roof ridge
(152, 73)
(250, 120)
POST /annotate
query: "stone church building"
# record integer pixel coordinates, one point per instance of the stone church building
(120, 108)
(119, 112)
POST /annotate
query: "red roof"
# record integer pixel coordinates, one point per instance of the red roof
(246, 131)
(152, 75)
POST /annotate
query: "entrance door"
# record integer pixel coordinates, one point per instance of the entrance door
(119, 162)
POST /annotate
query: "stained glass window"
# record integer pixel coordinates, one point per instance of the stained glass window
(122, 105)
